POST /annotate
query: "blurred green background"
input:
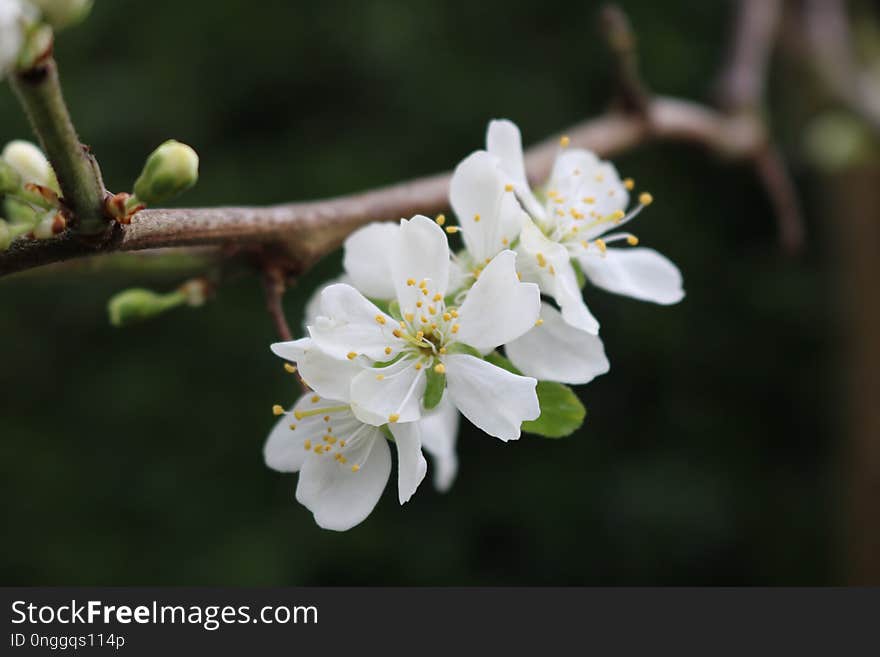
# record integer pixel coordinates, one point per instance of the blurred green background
(711, 451)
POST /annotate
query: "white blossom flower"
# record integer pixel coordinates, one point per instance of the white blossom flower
(343, 463)
(491, 220)
(395, 354)
(439, 428)
(585, 199)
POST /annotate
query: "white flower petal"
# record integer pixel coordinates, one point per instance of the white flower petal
(504, 142)
(313, 305)
(492, 398)
(421, 252)
(439, 433)
(489, 216)
(498, 308)
(377, 394)
(285, 448)
(639, 273)
(556, 351)
(338, 497)
(348, 325)
(411, 463)
(328, 376)
(366, 259)
(568, 296)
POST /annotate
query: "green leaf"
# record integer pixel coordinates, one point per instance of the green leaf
(500, 361)
(561, 411)
(434, 389)
(462, 348)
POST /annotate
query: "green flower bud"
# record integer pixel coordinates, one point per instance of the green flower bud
(137, 304)
(30, 163)
(5, 235)
(170, 170)
(19, 212)
(63, 13)
(10, 179)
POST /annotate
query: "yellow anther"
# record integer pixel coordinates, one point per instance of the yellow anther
(396, 333)
(387, 351)
(559, 200)
(423, 283)
(315, 399)
(380, 319)
(341, 443)
(299, 415)
(425, 291)
(423, 319)
(277, 410)
(564, 141)
(380, 377)
(559, 213)
(476, 272)
(355, 467)
(351, 355)
(410, 282)
(452, 229)
(292, 427)
(402, 324)
(504, 241)
(290, 369)
(447, 316)
(589, 200)
(476, 218)
(617, 215)
(629, 183)
(409, 317)
(418, 304)
(632, 240)
(508, 188)
(455, 328)
(453, 312)
(552, 271)
(432, 310)
(518, 276)
(440, 368)
(418, 367)
(441, 219)
(601, 244)
(539, 322)
(645, 198)
(420, 335)
(600, 178)
(318, 449)
(542, 261)
(437, 297)
(442, 350)
(394, 417)
(307, 444)
(327, 419)
(433, 325)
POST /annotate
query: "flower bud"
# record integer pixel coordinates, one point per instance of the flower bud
(5, 235)
(19, 213)
(51, 223)
(10, 179)
(30, 163)
(138, 304)
(63, 13)
(170, 170)
(11, 33)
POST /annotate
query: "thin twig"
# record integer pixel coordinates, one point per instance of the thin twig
(275, 286)
(621, 41)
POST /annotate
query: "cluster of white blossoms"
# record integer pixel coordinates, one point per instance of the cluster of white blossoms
(409, 337)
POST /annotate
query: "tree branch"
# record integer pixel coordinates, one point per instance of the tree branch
(79, 176)
(299, 234)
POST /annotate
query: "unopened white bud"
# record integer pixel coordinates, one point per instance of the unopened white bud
(170, 170)
(52, 223)
(63, 13)
(11, 33)
(29, 162)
